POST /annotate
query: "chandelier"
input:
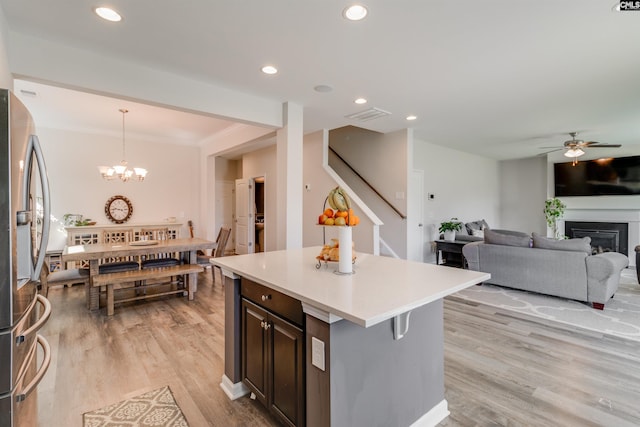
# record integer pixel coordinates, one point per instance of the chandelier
(121, 171)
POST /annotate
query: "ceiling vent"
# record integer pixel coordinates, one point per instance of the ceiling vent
(370, 114)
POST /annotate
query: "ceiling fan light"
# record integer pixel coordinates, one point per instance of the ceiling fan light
(574, 152)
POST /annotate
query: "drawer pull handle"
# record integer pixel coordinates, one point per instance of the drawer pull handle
(266, 297)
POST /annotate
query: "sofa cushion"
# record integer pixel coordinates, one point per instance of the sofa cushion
(467, 238)
(582, 244)
(507, 238)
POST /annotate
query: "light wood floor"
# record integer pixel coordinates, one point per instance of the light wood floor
(500, 369)
(99, 360)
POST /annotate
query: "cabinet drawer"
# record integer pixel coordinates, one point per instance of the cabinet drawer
(277, 302)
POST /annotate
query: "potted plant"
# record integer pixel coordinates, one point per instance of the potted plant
(553, 211)
(449, 228)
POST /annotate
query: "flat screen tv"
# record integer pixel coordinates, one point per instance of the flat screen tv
(600, 177)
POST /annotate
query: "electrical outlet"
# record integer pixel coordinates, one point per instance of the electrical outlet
(317, 353)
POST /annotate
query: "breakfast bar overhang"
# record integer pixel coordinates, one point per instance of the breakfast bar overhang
(373, 340)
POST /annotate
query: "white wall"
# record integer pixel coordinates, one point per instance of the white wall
(170, 189)
(523, 191)
(264, 163)
(466, 186)
(6, 81)
(320, 183)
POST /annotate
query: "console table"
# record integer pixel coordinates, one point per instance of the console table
(451, 253)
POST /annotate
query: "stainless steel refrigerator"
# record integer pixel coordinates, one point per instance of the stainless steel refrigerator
(24, 232)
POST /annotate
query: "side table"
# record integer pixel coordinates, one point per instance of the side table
(451, 253)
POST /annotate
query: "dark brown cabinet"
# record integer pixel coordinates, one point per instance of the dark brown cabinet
(273, 352)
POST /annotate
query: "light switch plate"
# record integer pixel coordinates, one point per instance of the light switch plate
(317, 353)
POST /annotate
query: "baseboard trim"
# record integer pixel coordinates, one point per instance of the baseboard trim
(233, 390)
(434, 416)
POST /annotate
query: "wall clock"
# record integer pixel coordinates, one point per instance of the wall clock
(118, 209)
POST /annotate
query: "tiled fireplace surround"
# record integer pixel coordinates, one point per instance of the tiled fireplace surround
(629, 216)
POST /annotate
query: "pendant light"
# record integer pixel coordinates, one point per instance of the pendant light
(121, 171)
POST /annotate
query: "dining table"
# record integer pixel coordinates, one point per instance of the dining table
(95, 253)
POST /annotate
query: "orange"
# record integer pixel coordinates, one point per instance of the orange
(342, 214)
(328, 212)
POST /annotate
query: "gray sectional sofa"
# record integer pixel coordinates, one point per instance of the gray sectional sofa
(563, 268)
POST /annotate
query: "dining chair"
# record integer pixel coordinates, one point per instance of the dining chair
(113, 265)
(63, 278)
(158, 260)
(218, 251)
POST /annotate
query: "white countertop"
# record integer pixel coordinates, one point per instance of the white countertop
(380, 289)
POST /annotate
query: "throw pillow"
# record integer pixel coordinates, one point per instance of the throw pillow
(476, 225)
(512, 238)
(478, 233)
(574, 245)
(471, 227)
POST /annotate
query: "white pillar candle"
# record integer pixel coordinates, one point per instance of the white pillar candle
(345, 265)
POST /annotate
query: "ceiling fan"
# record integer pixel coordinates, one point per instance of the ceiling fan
(574, 148)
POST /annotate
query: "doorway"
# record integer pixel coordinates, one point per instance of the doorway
(250, 218)
(259, 204)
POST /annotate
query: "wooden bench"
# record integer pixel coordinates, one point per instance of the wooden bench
(111, 279)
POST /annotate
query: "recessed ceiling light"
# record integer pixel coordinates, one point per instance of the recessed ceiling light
(355, 12)
(108, 14)
(360, 101)
(411, 117)
(269, 69)
(323, 88)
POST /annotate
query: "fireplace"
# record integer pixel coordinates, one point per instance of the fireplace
(605, 236)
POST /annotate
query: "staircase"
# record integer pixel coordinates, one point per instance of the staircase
(388, 220)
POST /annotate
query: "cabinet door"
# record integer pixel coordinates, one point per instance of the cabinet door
(287, 391)
(254, 349)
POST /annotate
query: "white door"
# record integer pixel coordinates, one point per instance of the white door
(245, 220)
(415, 216)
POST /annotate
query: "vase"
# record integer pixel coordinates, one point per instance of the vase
(450, 235)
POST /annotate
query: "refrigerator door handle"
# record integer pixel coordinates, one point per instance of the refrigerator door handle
(41, 321)
(34, 145)
(22, 395)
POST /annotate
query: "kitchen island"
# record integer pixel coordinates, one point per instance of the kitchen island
(355, 350)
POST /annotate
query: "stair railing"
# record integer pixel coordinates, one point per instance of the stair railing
(387, 202)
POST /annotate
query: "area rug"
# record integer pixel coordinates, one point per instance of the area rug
(620, 317)
(156, 408)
